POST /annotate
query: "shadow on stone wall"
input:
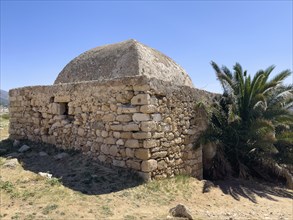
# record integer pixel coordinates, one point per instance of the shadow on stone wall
(75, 170)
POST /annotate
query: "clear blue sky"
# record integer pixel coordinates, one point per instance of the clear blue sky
(39, 38)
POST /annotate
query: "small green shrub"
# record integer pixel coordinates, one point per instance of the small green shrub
(6, 186)
(54, 181)
(9, 188)
(106, 210)
(49, 208)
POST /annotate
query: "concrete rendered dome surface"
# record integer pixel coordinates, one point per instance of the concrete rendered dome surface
(125, 59)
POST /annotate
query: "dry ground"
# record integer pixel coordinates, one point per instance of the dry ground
(84, 189)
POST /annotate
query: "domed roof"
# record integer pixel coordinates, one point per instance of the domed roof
(124, 59)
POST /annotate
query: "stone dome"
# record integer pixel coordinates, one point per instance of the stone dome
(125, 59)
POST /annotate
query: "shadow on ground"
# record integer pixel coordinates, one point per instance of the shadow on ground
(249, 189)
(83, 174)
(75, 170)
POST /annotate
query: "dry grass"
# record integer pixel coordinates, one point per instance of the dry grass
(26, 195)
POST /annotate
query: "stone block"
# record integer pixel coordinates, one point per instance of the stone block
(162, 165)
(105, 108)
(113, 150)
(192, 131)
(81, 132)
(157, 135)
(84, 108)
(170, 136)
(126, 135)
(110, 140)
(178, 140)
(147, 109)
(142, 154)
(149, 165)
(77, 110)
(141, 88)
(105, 149)
(126, 109)
(62, 98)
(141, 99)
(142, 135)
(124, 118)
(122, 152)
(98, 133)
(137, 117)
(150, 143)
(132, 143)
(116, 127)
(102, 158)
(116, 134)
(120, 142)
(95, 147)
(159, 154)
(131, 127)
(52, 140)
(12, 98)
(124, 97)
(100, 140)
(104, 134)
(113, 107)
(129, 152)
(157, 117)
(165, 144)
(148, 126)
(133, 164)
(108, 117)
(119, 163)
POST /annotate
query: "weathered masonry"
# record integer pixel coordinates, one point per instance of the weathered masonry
(124, 104)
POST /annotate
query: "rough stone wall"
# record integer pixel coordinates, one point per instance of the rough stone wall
(147, 125)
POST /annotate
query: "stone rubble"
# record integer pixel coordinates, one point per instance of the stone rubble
(46, 175)
(11, 163)
(181, 211)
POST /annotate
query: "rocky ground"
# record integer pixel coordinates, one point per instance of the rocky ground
(41, 182)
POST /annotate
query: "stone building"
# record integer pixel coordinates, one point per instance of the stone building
(124, 104)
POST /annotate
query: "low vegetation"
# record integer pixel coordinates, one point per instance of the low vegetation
(251, 126)
(4, 123)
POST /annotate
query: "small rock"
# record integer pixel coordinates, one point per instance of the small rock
(207, 186)
(11, 163)
(181, 211)
(11, 155)
(47, 175)
(43, 154)
(16, 143)
(23, 148)
(61, 156)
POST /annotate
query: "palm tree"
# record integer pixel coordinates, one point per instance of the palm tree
(252, 117)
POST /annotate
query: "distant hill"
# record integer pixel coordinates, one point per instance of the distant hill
(4, 98)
